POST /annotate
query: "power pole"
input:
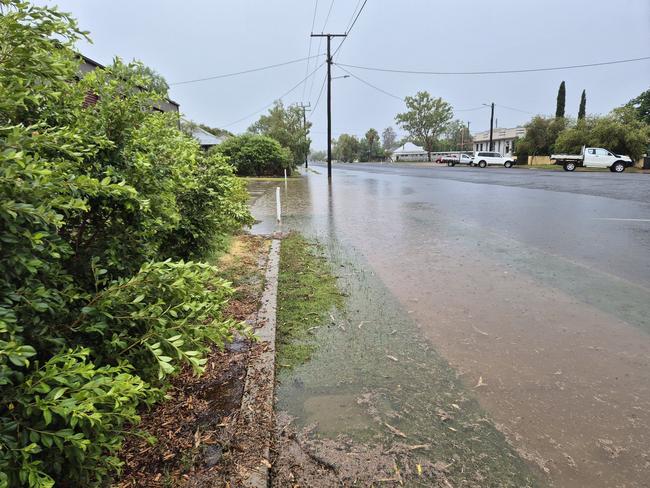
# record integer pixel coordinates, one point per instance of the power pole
(329, 99)
(469, 135)
(304, 128)
(491, 127)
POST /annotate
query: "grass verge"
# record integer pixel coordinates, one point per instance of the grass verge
(307, 292)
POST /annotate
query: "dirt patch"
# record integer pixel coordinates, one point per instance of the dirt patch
(194, 438)
(301, 459)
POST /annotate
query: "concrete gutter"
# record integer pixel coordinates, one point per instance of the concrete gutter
(256, 413)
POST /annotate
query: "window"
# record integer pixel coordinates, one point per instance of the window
(602, 152)
(591, 151)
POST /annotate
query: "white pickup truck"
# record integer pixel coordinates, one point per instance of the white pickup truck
(453, 159)
(593, 157)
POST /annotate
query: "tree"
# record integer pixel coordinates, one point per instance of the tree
(582, 111)
(454, 135)
(347, 148)
(425, 119)
(318, 155)
(255, 155)
(618, 131)
(541, 133)
(641, 106)
(100, 294)
(145, 77)
(389, 139)
(285, 125)
(369, 147)
(561, 101)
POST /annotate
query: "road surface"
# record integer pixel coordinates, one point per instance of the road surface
(533, 285)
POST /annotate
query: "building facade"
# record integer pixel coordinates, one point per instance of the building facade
(503, 140)
(409, 152)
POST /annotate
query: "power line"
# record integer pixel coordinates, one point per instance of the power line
(469, 109)
(347, 29)
(313, 21)
(496, 72)
(320, 42)
(370, 84)
(515, 109)
(392, 95)
(277, 98)
(313, 111)
(262, 68)
(351, 26)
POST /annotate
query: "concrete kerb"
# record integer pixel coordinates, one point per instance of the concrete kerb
(257, 401)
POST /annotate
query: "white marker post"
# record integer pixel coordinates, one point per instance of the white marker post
(278, 208)
(285, 174)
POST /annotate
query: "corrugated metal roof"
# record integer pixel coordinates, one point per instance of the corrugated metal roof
(205, 138)
(409, 148)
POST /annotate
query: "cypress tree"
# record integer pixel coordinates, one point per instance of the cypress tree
(561, 101)
(582, 111)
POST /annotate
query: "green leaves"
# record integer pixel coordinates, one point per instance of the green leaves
(256, 155)
(425, 119)
(95, 203)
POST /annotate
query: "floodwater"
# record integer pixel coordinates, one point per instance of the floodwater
(471, 298)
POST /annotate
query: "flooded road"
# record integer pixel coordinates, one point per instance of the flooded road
(513, 290)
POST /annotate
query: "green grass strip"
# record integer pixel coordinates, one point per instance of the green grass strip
(307, 292)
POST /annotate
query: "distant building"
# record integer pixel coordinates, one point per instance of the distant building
(88, 65)
(503, 140)
(206, 140)
(409, 152)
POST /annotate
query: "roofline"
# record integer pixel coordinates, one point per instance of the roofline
(100, 65)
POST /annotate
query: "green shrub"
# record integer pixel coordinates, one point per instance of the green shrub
(255, 155)
(95, 203)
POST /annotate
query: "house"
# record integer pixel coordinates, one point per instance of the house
(87, 65)
(206, 140)
(409, 152)
(503, 140)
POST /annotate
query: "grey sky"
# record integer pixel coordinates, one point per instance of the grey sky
(193, 39)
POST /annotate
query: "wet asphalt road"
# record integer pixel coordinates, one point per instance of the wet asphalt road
(534, 285)
(598, 219)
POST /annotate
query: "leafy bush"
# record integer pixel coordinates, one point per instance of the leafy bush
(255, 155)
(95, 203)
(620, 132)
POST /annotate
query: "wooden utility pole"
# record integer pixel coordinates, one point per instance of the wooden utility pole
(329, 99)
(304, 128)
(491, 127)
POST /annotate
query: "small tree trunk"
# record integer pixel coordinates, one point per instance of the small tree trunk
(429, 156)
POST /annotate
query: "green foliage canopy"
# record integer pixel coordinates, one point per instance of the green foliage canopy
(561, 101)
(426, 119)
(256, 155)
(286, 125)
(101, 210)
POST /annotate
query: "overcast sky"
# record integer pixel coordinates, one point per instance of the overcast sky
(190, 39)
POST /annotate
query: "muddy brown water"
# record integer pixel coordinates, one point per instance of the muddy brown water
(555, 347)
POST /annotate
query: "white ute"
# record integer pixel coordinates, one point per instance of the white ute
(483, 159)
(593, 157)
(453, 160)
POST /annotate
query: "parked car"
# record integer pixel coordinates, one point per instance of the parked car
(483, 159)
(593, 157)
(464, 159)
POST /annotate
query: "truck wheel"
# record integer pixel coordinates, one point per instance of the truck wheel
(449, 163)
(482, 164)
(569, 166)
(508, 164)
(618, 167)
